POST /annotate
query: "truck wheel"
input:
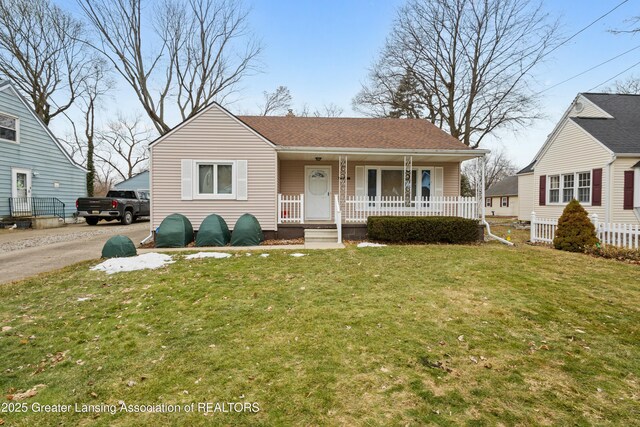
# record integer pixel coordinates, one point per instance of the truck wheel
(92, 221)
(127, 218)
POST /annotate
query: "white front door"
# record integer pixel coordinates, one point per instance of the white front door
(21, 189)
(21, 183)
(317, 192)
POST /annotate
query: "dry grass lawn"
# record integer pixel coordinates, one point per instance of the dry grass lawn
(405, 335)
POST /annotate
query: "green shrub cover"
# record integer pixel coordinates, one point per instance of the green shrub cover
(433, 229)
(175, 231)
(213, 232)
(575, 230)
(247, 231)
(118, 247)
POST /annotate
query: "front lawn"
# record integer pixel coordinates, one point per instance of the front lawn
(399, 335)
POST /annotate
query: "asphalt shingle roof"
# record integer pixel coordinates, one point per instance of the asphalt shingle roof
(505, 187)
(527, 169)
(342, 132)
(621, 134)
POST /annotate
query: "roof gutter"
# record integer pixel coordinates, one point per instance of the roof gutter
(615, 155)
(382, 151)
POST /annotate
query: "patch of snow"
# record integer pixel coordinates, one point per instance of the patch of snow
(370, 245)
(218, 255)
(81, 299)
(264, 255)
(150, 260)
(297, 255)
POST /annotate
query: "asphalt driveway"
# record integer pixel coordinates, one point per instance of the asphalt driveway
(25, 253)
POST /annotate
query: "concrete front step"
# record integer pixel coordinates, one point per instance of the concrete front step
(320, 235)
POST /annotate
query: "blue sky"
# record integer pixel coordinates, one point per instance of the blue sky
(321, 50)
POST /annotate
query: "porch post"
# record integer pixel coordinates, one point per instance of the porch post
(342, 181)
(481, 160)
(408, 178)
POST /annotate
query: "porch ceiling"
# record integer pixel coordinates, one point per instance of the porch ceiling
(374, 156)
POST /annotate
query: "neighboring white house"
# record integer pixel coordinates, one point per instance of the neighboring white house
(501, 199)
(592, 155)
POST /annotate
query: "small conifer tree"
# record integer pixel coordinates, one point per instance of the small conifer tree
(575, 230)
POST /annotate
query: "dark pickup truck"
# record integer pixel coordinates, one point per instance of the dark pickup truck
(122, 205)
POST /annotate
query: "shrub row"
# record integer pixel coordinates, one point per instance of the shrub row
(613, 252)
(435, 229)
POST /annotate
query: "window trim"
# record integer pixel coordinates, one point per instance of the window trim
(576, 187)
(504, 201)
(17, 119)
(488, 202)
(380, 168)
(214, 196)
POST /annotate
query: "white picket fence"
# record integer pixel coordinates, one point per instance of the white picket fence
(358, 209)
(613, 234)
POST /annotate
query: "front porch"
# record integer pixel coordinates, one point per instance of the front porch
(321, 188)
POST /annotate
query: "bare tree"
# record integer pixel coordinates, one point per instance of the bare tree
(471, 61)
(627, 86)
(497, 167)
(123, 146)
(194, 51)
(81, 143)
(328, 110)
(42, 52)
(278, 101)
(105, 178)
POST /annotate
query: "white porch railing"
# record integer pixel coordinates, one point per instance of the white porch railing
(290, 208)
(613, 234)
(358, 209)
(337, 215)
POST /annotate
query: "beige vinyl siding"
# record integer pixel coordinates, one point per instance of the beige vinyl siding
(618, 213)
(571, 150)
(525, 196)
(292, 176)
(496, 209)
(589, 110)
(214, 135)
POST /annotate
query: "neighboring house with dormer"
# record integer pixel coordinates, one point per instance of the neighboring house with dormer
(592, 155)
(37, 176)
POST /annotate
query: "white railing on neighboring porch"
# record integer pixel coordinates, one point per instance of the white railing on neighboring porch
(290, 208)
(358, 209)
(613, 234)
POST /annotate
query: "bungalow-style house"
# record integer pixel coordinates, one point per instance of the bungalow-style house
(592, 155)
(296, 173)
(39, 181)
(501, 199)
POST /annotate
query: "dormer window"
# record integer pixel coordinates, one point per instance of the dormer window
(8, 128)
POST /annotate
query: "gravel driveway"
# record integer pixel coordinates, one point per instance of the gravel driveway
(24, 253)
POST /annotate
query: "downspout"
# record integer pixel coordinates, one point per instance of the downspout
(607, 211)
(484, 220)
(146, 239)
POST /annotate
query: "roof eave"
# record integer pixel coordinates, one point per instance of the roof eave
(476, 152)
(627, 154)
